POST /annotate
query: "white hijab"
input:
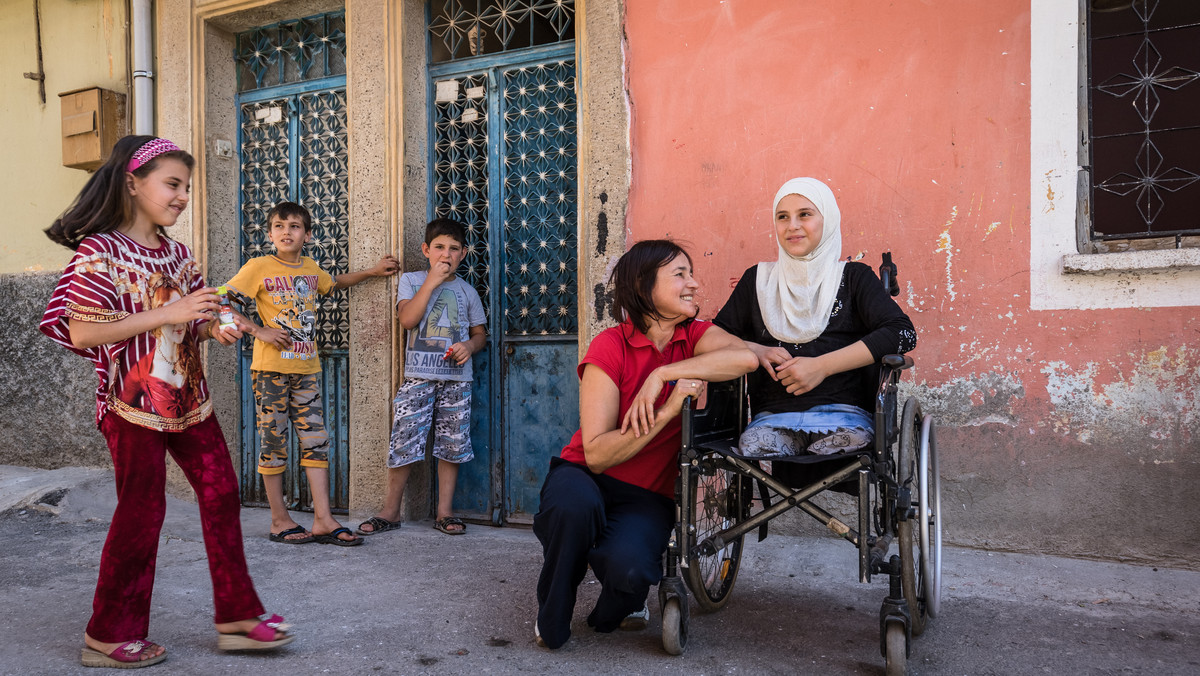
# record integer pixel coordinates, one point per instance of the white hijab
(796, 295)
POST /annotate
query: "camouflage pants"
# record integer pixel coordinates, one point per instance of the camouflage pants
(444, 405)
(295, 398)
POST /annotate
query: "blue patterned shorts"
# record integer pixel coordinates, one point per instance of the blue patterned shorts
(444, 405)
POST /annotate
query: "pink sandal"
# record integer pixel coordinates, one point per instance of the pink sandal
(261, 637)
(128, 655)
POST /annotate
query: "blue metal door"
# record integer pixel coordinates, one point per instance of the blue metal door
(503, 161)
(292, 146)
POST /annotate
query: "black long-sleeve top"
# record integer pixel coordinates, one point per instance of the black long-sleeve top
(863, 311)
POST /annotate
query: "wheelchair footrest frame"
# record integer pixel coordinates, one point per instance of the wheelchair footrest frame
(788, 498)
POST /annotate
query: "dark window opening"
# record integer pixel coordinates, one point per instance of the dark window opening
(1143, 92)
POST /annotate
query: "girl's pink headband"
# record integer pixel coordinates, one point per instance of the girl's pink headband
(150, 150)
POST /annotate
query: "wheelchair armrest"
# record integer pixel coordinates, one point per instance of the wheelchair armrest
(897, 362)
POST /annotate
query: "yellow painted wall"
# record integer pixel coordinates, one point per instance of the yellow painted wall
(83, 45)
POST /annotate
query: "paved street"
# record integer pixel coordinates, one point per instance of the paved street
(416, 601)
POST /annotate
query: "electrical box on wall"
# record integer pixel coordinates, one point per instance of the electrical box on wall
(93, 120)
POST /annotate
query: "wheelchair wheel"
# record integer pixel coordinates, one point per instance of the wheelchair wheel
(908, 475)
(897, 650)
(929, 519)
(717, 504)
(674, 626)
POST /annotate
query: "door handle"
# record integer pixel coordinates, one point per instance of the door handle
(509, 350)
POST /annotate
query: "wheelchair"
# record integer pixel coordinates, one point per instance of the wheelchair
(898, 493)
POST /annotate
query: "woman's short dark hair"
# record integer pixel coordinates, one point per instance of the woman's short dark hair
(633, 280)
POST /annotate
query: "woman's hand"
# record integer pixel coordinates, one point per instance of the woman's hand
(800, 374)
(642, 414)
(769, 357)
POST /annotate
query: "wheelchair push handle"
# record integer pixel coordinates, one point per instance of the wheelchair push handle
(887, 275)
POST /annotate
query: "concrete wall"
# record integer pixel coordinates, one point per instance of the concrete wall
(46, 392)
(1063, 429)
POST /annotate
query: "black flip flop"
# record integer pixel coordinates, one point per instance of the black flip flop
(295, 530)
(333, 539)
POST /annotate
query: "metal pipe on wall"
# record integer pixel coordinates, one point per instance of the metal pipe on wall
(142, 56)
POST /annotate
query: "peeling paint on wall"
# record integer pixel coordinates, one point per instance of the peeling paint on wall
(973, 400)
(1155, 404)
(602, 227)
(1050, 177)
(945, 246)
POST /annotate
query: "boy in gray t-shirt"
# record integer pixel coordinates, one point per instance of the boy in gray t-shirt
(445, 321)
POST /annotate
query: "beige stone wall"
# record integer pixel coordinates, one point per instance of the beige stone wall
(604, 157)
(83, 45)
(373, 94)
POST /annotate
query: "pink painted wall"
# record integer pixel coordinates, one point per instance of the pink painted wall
(1062, 431)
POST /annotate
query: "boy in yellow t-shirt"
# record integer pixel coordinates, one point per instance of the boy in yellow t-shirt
(287, 371)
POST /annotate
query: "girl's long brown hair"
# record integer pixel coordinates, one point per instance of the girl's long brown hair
(104, 204)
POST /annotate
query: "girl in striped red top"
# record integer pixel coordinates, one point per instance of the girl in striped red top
(132, 301)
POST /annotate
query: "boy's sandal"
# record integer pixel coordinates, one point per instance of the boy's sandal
(266, 635)
(128, 655)
(377, 525)
(285, 536)
(331, 538)
(444, 524)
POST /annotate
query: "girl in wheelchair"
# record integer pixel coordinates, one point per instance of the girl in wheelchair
(816, 324)
(608, 501)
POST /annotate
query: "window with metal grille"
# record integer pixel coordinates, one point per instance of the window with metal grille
(291, 51)
(1142, 151)
(460, 29)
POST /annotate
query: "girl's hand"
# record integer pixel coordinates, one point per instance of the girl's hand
(459, 353)
(197, 305)
(276, 337)
(388, 265)
(800, 374)
(769, 357)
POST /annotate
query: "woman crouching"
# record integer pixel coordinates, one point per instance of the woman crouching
(608, 500)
